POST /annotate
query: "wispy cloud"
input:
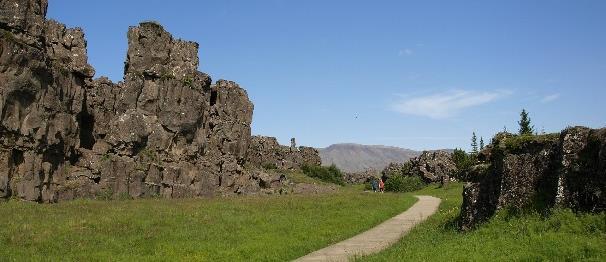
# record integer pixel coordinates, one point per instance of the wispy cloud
(446, 104)
(405, 52)
(550, 98)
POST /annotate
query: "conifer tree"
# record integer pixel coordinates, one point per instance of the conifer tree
(525, 127)
(474, 144)
(481, 143)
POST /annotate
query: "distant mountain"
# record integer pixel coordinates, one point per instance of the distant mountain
(356, 158)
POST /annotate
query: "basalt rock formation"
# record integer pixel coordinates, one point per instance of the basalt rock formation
(166, 130)
(538, 172)
(361, 177)
(431, 166)
(267, 152)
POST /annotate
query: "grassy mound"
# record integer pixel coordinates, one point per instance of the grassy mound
(562, 235)
(250, 228)
(330, 174)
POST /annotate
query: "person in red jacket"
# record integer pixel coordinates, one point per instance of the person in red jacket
(381, 185)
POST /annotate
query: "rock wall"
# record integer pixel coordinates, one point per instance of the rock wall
(266, 151)
(166, 130)
(539, 172)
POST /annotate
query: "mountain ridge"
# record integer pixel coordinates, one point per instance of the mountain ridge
(352, 157)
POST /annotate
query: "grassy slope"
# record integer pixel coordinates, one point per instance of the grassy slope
(239, 228)
(560, 236)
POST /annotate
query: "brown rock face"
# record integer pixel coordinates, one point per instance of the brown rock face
(265, 151)
(361, 177)
(164, 131)
(539, 172)
(431, 166)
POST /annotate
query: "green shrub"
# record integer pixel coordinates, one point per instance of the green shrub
(404, 183)
(330, 174)
(188, 81)
(464, 162)
(368, 186)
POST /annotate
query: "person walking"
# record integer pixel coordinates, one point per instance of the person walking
(374, 184)
(381, 186)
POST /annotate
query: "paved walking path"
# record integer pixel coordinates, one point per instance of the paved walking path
(379, 237)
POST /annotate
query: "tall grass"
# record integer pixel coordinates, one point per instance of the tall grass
(399, 183)
(560, 236)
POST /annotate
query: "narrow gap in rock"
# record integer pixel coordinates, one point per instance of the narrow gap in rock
(86, 122)
(213, 98)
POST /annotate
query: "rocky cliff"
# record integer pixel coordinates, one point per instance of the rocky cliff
(166, 130)
(538, 172)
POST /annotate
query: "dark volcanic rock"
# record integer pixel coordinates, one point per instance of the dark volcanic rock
(266, 151)
(361, 177)
(396, 168)
(431, 166)
(582, 175)
(539, 172)
(164, 131)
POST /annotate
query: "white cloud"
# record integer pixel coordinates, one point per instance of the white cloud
(405, 52)
(550, 98)
(446, 104)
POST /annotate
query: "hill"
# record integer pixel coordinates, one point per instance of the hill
(355, 157)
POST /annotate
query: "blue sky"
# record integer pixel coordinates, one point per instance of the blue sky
(414, 74)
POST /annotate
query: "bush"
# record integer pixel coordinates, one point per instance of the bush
(330, 174)
(404, 183)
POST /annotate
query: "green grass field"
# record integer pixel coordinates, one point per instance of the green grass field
(278, 228)
(561, 236)
(244, 228)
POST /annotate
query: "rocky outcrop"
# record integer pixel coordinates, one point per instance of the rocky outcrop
(538, 172)
(431, 166)
(267, 152)
(396, 168)
(166, 130)
(361, 177)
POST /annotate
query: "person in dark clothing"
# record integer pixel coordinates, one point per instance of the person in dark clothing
(374, 184)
